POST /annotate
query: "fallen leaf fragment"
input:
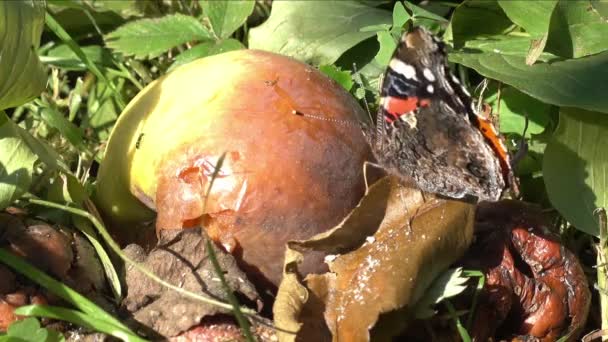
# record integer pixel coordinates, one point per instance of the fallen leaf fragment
(181, 259)
(393, 244)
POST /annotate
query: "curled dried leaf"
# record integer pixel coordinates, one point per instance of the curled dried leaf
(394, 243)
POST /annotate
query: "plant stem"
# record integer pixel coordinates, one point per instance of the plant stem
(602, 272)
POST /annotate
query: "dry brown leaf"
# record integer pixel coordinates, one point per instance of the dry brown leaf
(290, 299)
(405, 239)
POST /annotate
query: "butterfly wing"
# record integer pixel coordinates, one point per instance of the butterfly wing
(427, 129)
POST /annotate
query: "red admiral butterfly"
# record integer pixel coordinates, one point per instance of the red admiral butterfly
(428, 129)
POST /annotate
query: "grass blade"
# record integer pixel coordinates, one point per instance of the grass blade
(236, 309)
(80, 319)
(56, 28)
(116, 249)
(108, 267)
(57, 288)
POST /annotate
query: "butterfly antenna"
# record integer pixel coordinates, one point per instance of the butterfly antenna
(323, 118)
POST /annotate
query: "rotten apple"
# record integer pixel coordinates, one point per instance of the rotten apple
(283, 177)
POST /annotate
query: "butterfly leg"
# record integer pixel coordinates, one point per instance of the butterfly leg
(365, 164)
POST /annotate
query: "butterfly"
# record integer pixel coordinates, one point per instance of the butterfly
(428, 130)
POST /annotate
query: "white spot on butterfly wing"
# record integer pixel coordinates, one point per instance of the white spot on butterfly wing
(428, 74)
(408, 71)
(409, 119)
(430, 89)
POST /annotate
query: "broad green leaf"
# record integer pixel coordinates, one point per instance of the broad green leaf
(475, 18)
(400, 15)
(575, 167)
(375, 28)
(74, 20)
(571, 83)
(62, 56)
(102, 109)
(387, 47)
(16, 162)
(226, 16)
(53, 25)
(22, 76)
(317, 32)
(532, 16)
(506, 45)
(601, 7)
(29, 330)
(149, 38)
(577, 30)
(205, 49)
(70, 131)
(342, 77)
(514, 107)
(419, 12)
(536, 49)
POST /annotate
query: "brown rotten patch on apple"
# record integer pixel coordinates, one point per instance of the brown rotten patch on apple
(535, 287)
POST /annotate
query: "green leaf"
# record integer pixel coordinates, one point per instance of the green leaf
(387, 47)
(59, 289)
(317, 32)
(577, 30)
(226, 16)
(449, 284)
(70, 131)
(342, 77)
(505, 45)
(111, 275)
(574, 167)
(419, 12)
(532, 16)
(22, 76)
(514, 107)
(62, 56)
(79, 318)
(149, 38)
(571, 83)
(475, 18)
(205, 49)
(600, 7)
(16, 162)
(400, 15)
(29, 330)
(536, 49)
(54, 26)
(102, 110)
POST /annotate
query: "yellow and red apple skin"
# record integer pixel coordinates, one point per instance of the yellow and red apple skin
(284, 176)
